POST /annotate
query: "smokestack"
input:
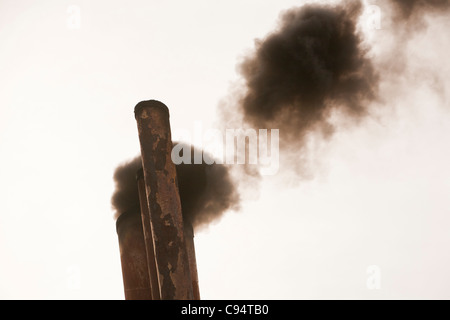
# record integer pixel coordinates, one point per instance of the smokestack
(163, 200)
(148, 236)
(133, 256)
(190, 250)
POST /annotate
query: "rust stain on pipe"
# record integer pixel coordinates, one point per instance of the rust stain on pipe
(163, 200)
(133, 256)
(148, 236)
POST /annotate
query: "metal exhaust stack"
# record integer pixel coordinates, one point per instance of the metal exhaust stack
(133, 256)
(163, 201)
(148, 236)
(190, 249)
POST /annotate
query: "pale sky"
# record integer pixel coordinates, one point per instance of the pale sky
(380, 195)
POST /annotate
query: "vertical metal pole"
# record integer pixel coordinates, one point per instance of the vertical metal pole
(133, 256)
(163, 200)
(148, 236)
(190, 249)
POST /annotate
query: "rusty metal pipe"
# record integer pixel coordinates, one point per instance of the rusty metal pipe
(148, 236)
(163, 200)
(133, 256)
(190, 249)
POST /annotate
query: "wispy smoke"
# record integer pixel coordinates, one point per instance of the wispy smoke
(407, 9)
(405, 23)
(206, 191)
(409, 17)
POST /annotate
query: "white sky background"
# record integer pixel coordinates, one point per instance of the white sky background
(381, 196)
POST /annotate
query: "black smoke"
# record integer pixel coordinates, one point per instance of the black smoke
(126, 195)
(206, 190)
(315, 61)
(313, 65)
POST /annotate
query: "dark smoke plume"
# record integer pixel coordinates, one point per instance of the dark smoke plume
(206, 191)
(126, 196)
(312, 66)
(315, 64)
(315, 61)
(315, 72)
